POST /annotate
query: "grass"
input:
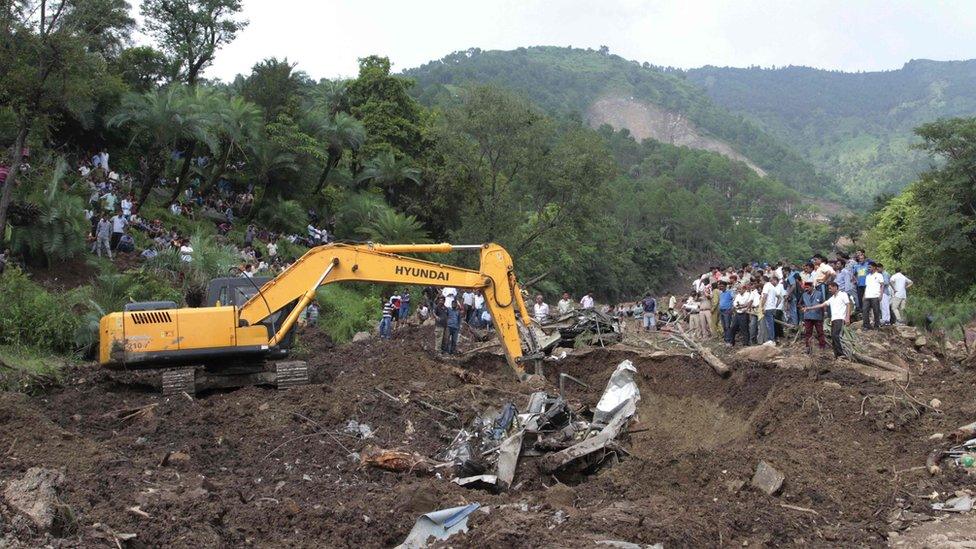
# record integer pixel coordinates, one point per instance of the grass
(27, 370)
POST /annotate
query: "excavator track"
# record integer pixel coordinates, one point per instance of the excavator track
(283, 375)
(290, 374)
(179, 380)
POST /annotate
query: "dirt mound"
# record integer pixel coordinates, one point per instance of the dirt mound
(261, 467)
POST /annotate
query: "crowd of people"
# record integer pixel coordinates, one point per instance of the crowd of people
(753, 304)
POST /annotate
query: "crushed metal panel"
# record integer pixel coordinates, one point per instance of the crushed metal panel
(440, 525)
(554, 462)
(621, 387)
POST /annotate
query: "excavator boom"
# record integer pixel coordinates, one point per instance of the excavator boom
(150, 338)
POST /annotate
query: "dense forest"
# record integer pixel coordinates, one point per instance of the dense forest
(566, 81)
(581, 209)
(854, 127)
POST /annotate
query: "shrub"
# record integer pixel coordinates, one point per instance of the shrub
(32, 317)
(347, 309)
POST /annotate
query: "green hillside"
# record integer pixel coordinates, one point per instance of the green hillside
(568, 80)
(855, 127)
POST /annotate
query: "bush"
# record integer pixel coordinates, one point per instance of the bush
(285, 216)
(347, 309)
(32, 317)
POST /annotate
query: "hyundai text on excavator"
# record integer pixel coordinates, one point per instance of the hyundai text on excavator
(246, 325)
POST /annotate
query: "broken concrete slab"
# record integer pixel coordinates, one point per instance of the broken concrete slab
(768, 478)
(36, 495)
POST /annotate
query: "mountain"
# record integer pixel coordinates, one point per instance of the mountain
(854, 127)
(607, 89)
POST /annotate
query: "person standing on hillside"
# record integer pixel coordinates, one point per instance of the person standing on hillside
(862, 268)
(873, 286)
(741, 305)
(404, 311)
(453, 327)
(812, 317)
(103, 236)
(565, 304)
(899, 287)
(725, 312)
(386, 320)
(440, 324)
(649, 312)
(586, 302)
(885, 296)
(840, 305)
(468, 299)
(118, 228)
(540, 310)
(823, 274)
(772, 298)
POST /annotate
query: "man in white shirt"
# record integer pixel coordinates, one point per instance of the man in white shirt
(565, 304)
(840, 305)
(899, 285)
(118, 227)
(873, 286)
(186, 251)
(540, 310)
(586, 302)
(772, 301)
(740, 323)
(468, 299)
(449, 294)
(823, 274)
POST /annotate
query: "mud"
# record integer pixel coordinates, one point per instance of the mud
(266, 468)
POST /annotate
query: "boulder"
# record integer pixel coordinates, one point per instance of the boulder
(759, 353)
(361, 336)
(767, 478)
(36, 495)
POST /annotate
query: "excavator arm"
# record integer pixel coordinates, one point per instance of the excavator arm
(260, 325)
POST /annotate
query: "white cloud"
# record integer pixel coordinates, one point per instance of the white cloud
(326, 37)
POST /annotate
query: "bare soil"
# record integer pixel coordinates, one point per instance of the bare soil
(266, 468)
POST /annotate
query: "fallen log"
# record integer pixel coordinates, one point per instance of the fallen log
(877, 363)
(715, 362)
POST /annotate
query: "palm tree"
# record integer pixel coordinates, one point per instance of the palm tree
(391, 227)
(58, 232)
(339, 132)
(266, 162)
(203, 103)
(161, 118)
(388, 172)
(237, 121)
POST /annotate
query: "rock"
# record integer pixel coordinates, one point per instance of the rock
(361, 336)
(767, 478)
(733, 486)
(832, 384)
(428, 322)
(36, 495)
(173, 458)
(907, 332)
(759, 353)
(921, 341)
(935, 403)
(936, 436)
(264, 406)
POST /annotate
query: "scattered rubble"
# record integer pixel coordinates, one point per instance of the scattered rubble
(36, 495)
(581, 327)
(439, 525)
(767, 478)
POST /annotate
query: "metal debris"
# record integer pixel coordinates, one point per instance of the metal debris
(439, 525)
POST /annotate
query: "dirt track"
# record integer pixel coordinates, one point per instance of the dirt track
(266, 468)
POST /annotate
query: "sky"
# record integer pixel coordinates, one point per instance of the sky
(326, 37)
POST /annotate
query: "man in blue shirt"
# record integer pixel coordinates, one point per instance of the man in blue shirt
(862, 268)
(812, 318)
(725, 311)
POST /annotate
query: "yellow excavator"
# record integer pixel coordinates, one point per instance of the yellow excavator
(234, 338)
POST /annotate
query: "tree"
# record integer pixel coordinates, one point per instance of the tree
(394, 121)
(143, 68)
(267, 163)
(275, 86)
(48, 64)
(388, 172)
(191, 31)
(237, 122)
(339, 132)
(58, 233)
(390, 227)
(159, 119)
